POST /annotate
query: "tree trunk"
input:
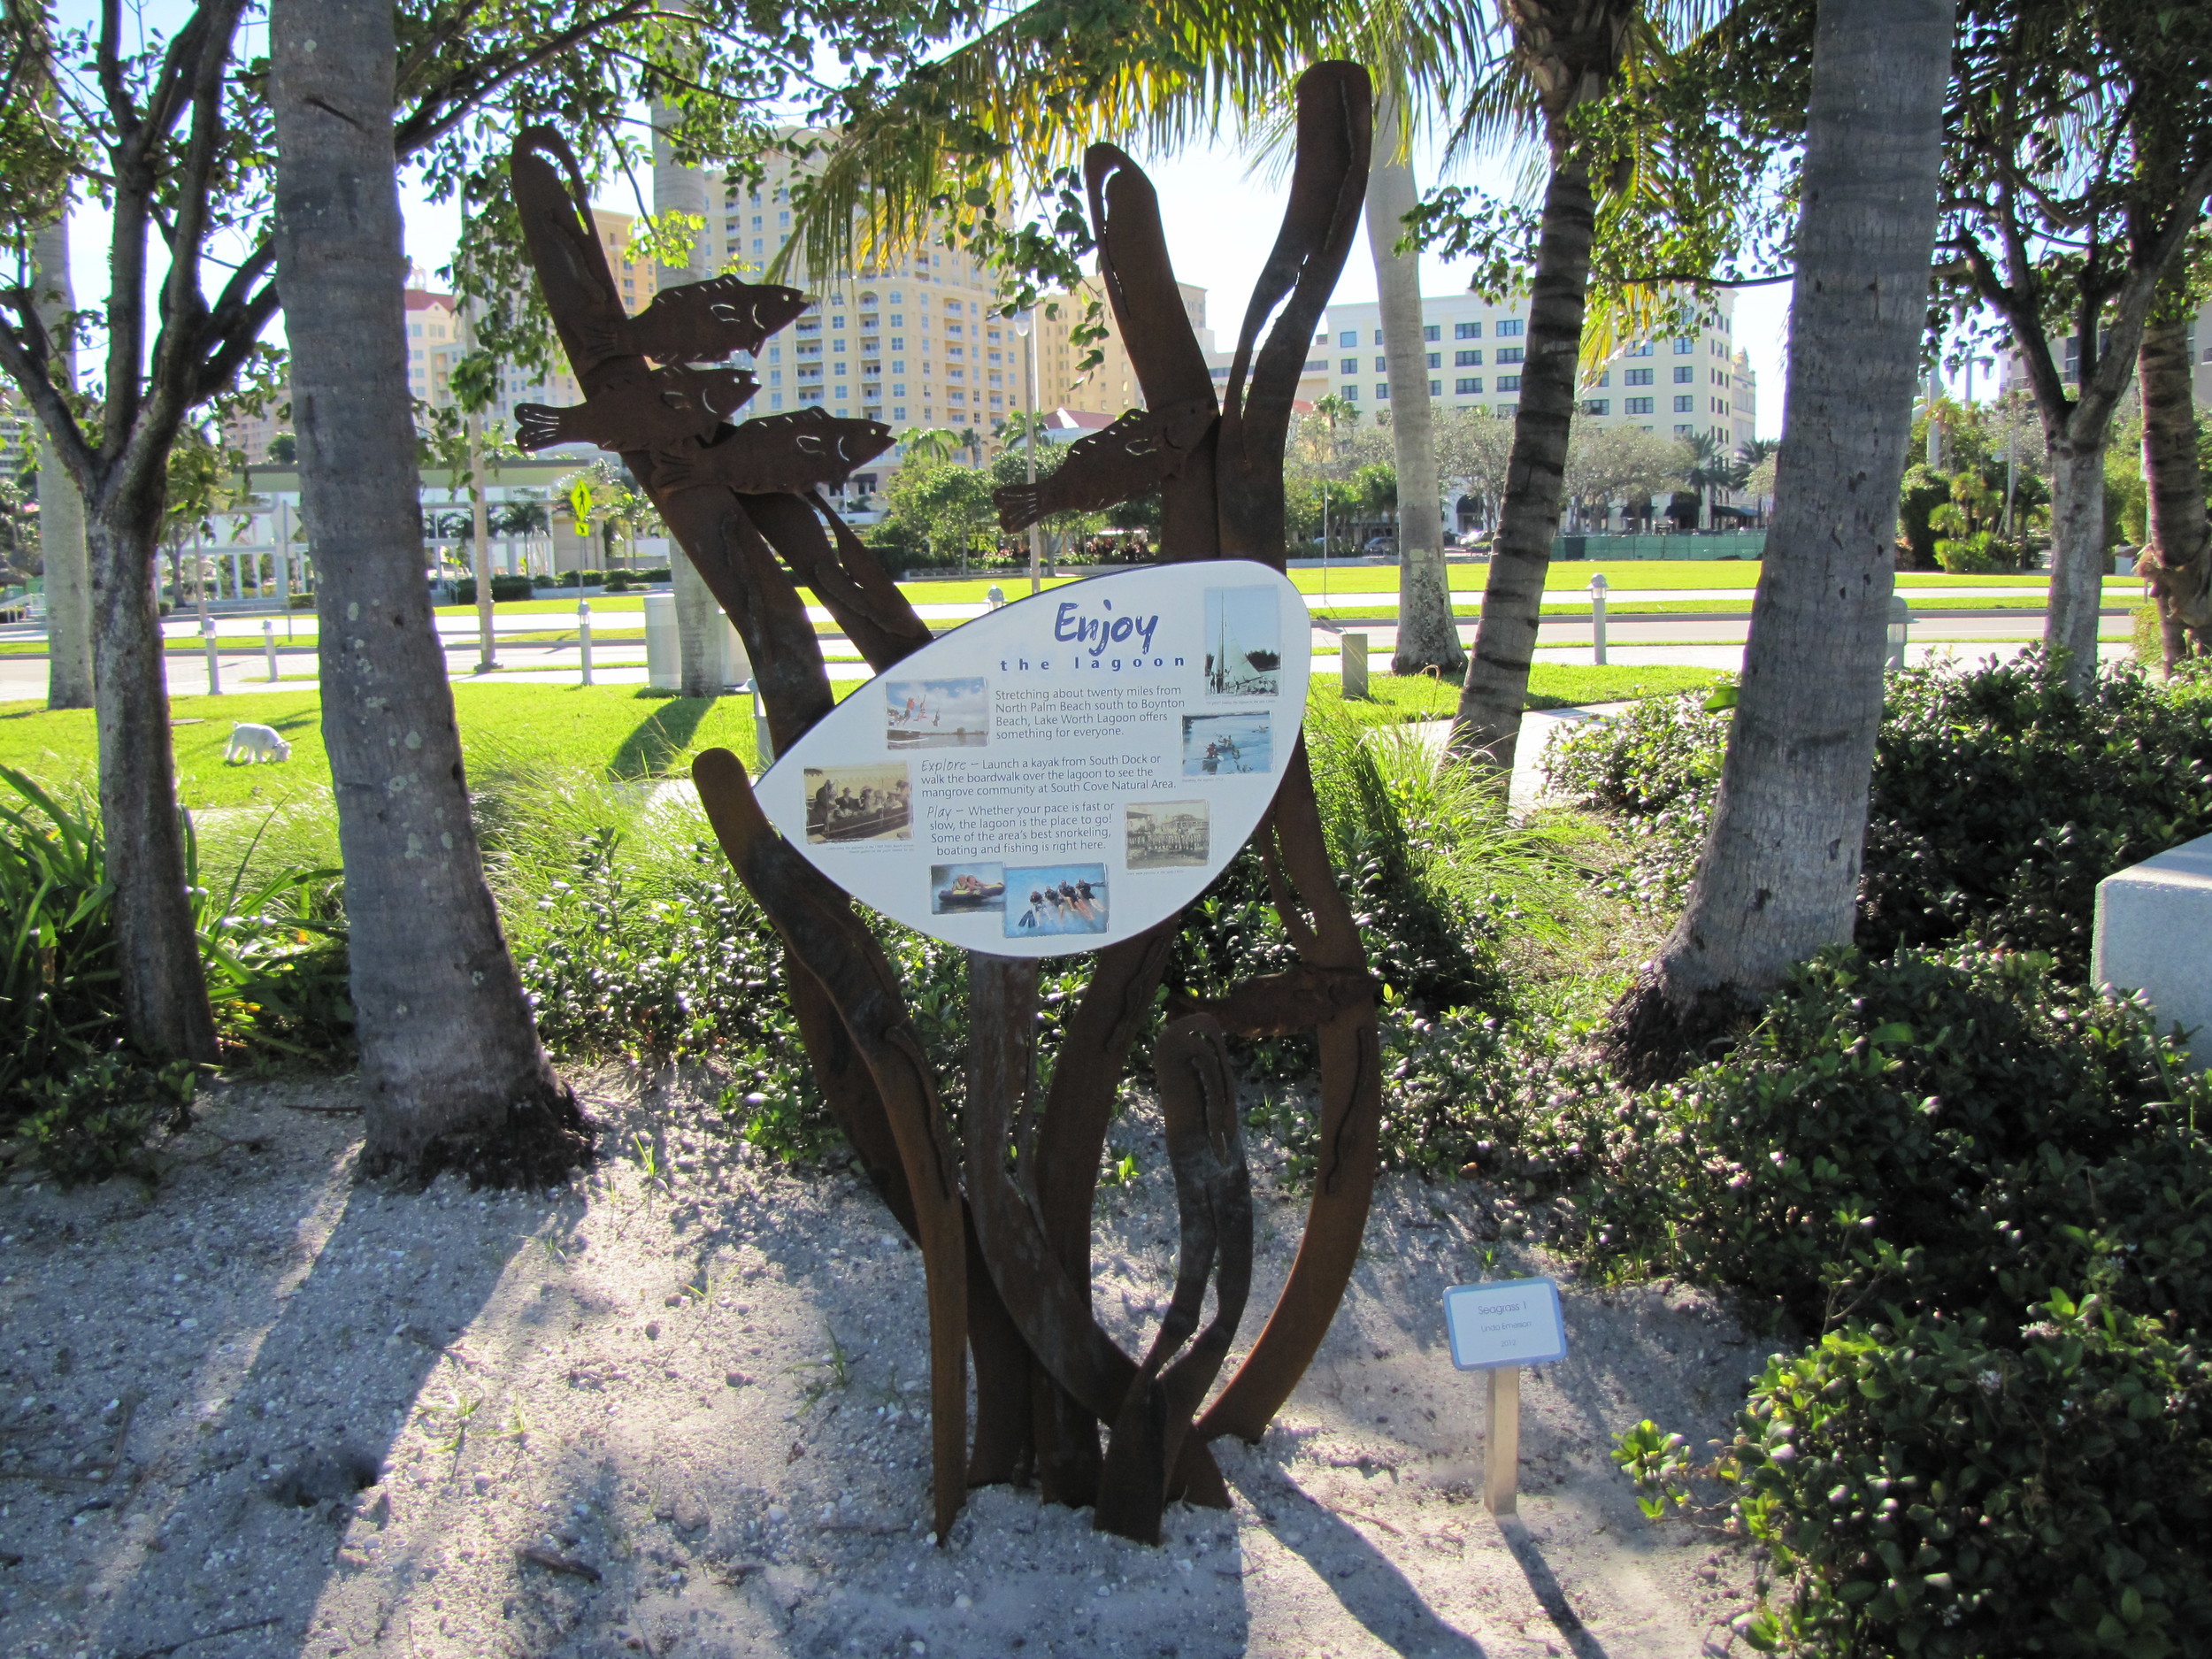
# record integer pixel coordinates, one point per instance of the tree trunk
(455, 1073)
(1489, 723)
(1426, 638)
(1779, 875)
(2177, 560)
(61, 536)
(157, 955)
(2078, 548)
(698, 618)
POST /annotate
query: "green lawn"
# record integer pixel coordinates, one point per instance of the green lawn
(1550, 686)
(622, 732)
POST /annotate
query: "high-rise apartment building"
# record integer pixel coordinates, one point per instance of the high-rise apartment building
(1683, 386)
(910, 342)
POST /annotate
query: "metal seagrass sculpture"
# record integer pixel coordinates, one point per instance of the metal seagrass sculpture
(1007, 1254)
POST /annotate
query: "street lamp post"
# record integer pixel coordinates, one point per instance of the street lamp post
(1022, 326)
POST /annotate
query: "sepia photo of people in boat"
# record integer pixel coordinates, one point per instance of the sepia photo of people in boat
(859, 803)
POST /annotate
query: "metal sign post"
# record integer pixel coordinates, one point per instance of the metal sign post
(1499, 1328)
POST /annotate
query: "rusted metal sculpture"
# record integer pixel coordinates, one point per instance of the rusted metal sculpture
(1007, 1257)
(1130, 458)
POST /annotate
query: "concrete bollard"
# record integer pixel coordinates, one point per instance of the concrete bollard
(583, 635)
(1900, 629)
(214, 668)
(1355, 666)
(2154, 934)
(268, 646)
(1597, 618)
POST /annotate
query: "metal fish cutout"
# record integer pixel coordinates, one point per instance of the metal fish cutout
(1133, 454)
(661, 408)
(697, 322)
(776, 455)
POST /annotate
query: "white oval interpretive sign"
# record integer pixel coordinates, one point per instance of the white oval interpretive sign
(1510, 1322)
(1062, 772)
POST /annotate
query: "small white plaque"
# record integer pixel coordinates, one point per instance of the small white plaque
(1512, 1322)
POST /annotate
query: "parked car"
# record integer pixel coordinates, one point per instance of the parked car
(1380, 547)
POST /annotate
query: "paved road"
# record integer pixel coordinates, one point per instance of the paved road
(1704, 640)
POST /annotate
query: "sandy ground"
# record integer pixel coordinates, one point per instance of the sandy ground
(678, 1408)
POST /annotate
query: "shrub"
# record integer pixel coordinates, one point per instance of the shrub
(1902, 1157)
(1896, 1131)
(1932, 1490)
(1999, 798)
(72, 1094)
(588, 579)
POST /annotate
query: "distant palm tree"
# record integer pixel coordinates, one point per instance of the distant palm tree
(928, 443)
(972, 440)
(1711, 467)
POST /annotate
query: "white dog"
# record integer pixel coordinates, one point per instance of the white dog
(257, 742)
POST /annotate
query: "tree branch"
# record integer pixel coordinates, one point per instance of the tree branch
(62, 431)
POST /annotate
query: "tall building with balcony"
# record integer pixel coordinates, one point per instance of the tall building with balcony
(2066, 352)
(1683, 386)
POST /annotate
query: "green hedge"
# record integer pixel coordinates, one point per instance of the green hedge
(505, 589)
(1999, 798)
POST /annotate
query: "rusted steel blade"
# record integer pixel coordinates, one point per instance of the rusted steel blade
(1351, 1118)
(1140, 283)
(819, 928)
(1213, 1192)
(1114, 1008)
(1328, 184)
(740, 570)
(1002, 1066)
(1277, 1004)
(1003, 1452)
(860, 598)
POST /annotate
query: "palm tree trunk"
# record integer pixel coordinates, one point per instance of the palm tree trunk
(2078, 546)
(1489, 723)
(698, 618)
(455, 1073)
(1426, 638)
(60, 506)
(1779, 878)
(2178, 562)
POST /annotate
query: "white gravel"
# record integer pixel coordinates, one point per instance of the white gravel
(701, 1382)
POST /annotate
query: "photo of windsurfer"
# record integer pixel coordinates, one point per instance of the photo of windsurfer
(966, 889)
(1215, 744)
(1050, 899)
(1244, 643)
(937, 713)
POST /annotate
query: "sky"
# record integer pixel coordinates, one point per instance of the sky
(1221, 215)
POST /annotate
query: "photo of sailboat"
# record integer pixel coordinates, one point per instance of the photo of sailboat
(1244, 643)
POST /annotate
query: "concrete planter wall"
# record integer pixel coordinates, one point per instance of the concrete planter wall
(2154, 933)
